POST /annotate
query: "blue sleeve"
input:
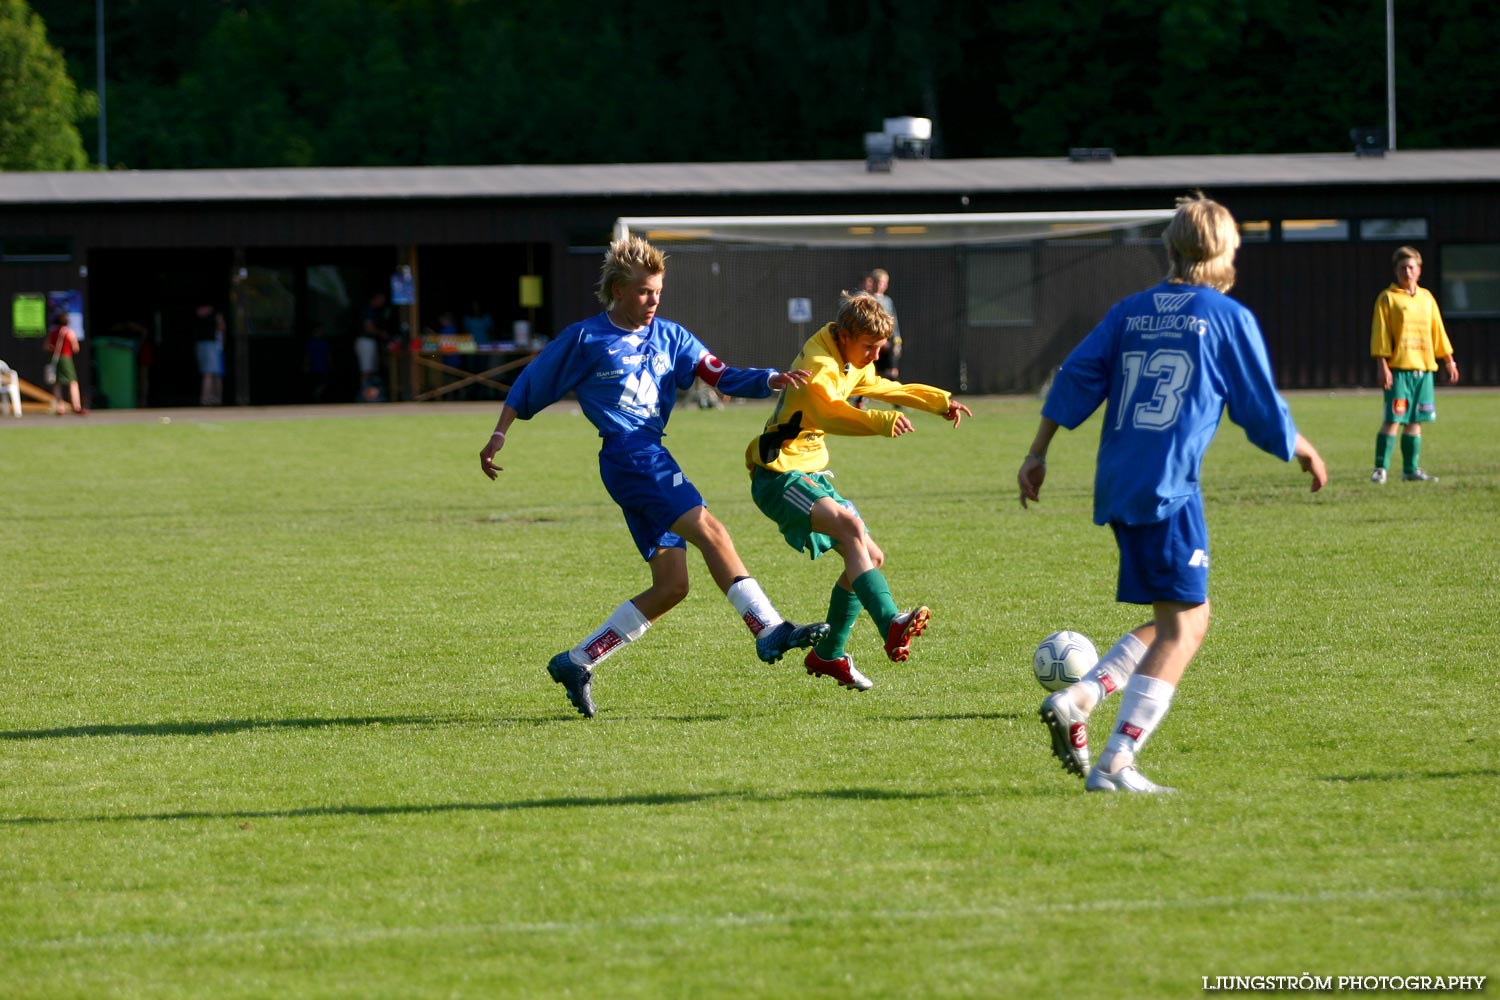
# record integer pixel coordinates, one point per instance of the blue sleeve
(1250, 394)
(751, 383)
(1082, 383)
(549, 376)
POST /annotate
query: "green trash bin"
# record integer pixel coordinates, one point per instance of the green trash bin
(115, 359)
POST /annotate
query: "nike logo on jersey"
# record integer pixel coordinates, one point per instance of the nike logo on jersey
(1170, 302)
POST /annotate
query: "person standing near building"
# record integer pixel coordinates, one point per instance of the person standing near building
(1165, 363)
(62, 344)
(625, 366)
(888, 365)
(1407, 340)
(208, 346)
(371, 344)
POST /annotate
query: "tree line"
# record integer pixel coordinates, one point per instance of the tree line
(269, 83)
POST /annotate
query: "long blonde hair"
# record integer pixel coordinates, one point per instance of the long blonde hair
(1201, 241)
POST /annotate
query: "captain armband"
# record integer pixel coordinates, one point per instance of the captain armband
(710, 369)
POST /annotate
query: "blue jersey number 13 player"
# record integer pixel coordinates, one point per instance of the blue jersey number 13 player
(1165, 363)
(625, 366)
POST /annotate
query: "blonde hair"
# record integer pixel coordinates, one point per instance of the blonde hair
(623, 259)
(1403, 253)
(1201, 240)
(861, 312)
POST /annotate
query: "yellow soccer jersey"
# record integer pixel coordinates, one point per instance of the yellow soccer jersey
(804, 417)
(1408, 330)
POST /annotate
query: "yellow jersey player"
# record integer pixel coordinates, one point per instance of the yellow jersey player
(791, 484)
(1407, 340)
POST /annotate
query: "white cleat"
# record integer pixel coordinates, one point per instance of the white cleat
(1126, 779)
(1068, 725)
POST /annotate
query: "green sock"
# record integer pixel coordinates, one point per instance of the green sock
(1384, 445)
(843, 612)
(875, 594)
(1411, 451)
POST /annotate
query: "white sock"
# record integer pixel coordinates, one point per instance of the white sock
(1142, 707)
(624, 626)
(753, 605)
(1110, 673)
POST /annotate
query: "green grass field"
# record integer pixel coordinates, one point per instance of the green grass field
(276, 723)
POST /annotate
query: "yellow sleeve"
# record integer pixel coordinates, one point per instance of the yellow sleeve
(1442, 347)
(1382, 343)
(927, 398)
(832, 413)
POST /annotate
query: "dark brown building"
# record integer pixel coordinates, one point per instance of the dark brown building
(286, 253)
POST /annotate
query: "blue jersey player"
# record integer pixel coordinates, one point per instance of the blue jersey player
(1165, 363)
(625, 366)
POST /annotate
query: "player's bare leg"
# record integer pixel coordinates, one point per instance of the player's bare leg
(774, 635)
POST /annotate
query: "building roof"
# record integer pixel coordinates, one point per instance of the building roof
(772, 178)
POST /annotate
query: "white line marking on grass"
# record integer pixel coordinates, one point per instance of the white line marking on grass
(729, 921)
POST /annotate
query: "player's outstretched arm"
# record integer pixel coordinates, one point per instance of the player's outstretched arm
(1034, 466)
(1307, 456)
(495, 443)
(795, 379)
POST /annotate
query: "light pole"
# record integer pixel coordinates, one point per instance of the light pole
(1390, 74)
(99, 74)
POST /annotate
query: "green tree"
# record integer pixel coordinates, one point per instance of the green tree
(39, 103)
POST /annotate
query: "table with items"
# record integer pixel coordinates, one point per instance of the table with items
(434, 373)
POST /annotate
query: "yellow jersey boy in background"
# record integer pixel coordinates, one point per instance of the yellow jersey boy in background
(1407, 340)
(791, 484)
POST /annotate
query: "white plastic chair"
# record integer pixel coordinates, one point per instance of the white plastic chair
(10, 387)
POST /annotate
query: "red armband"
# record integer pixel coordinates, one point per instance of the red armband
(710, 369)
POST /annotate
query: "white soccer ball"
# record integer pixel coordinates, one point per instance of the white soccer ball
(1062, 659)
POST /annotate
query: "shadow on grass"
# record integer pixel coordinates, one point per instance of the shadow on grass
(1412, 776)
(570, 802)
(219, 727)
(953, 716)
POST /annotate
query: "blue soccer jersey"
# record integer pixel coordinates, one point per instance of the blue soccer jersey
(1166, 362)
(626, 382)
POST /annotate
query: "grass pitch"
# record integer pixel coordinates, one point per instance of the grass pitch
(276, 723)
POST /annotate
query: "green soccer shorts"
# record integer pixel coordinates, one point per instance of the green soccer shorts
(788, 497)
(1410, 399)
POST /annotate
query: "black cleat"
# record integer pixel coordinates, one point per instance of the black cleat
(576, 680)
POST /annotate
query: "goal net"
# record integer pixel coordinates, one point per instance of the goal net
(986, 303)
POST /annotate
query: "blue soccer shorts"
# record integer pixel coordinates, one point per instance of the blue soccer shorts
(1164, 561)
(652, 493)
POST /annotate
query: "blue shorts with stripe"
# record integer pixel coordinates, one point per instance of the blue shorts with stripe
(1166, 560)
(647, 483)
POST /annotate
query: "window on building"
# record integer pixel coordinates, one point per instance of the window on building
(1471, 280)
(36, 249)
(1255, 231)
(1393, 229)
(999, 287)
(1314, 230)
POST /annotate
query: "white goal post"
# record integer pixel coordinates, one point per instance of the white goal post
(986, 302)
(886, 230)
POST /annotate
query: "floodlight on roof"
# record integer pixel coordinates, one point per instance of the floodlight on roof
(910, 137)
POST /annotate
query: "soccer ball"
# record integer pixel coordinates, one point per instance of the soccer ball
(1062, 659)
